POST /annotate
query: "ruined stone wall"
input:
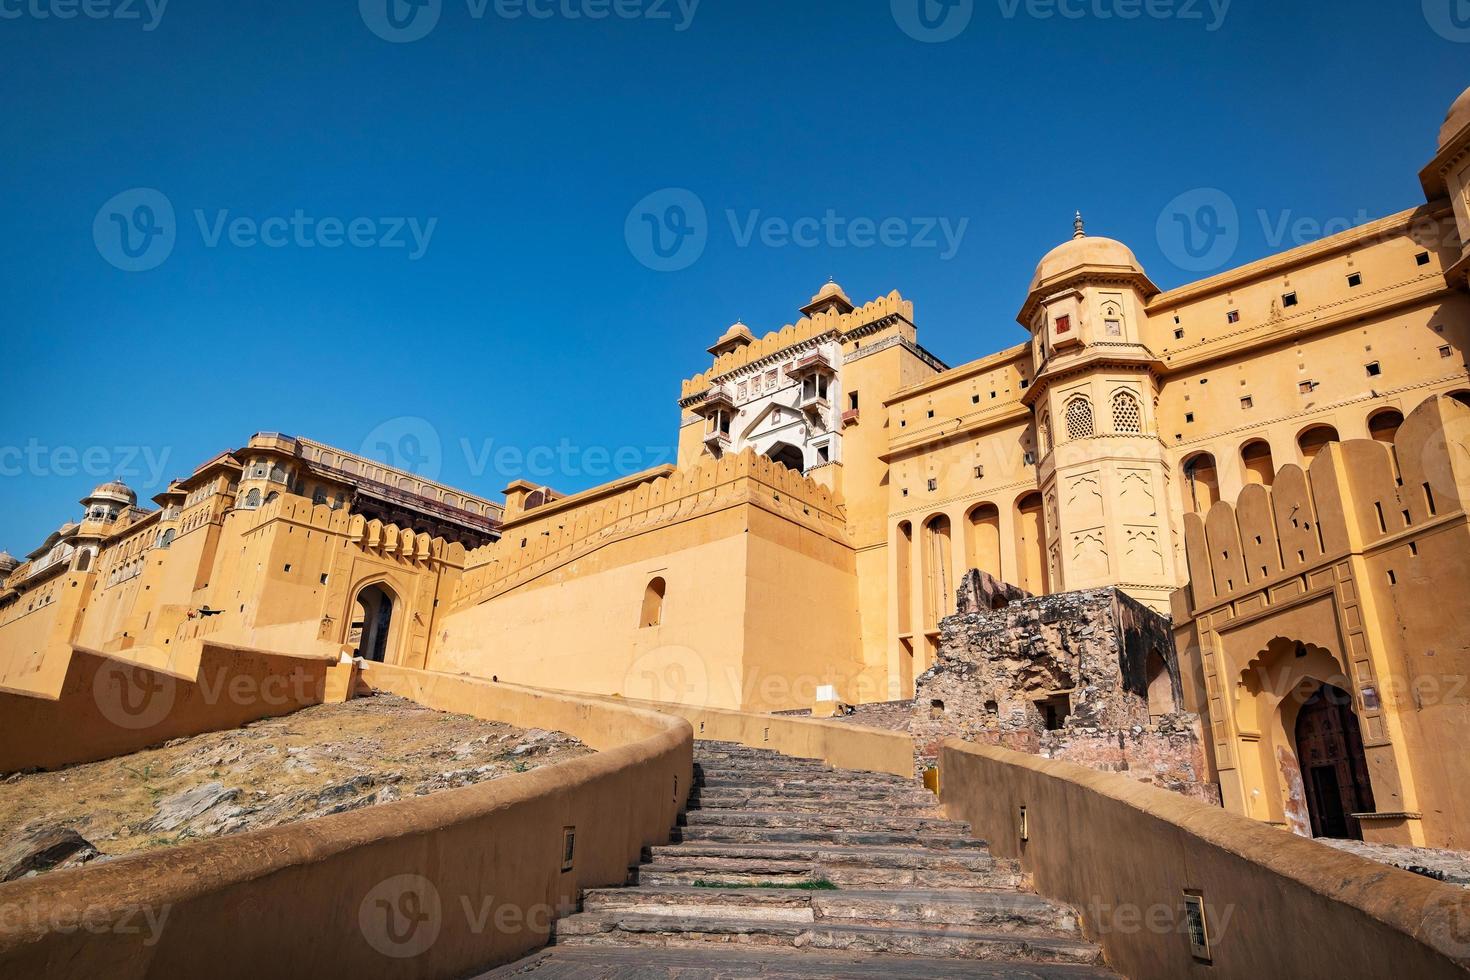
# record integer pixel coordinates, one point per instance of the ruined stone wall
(1065, 676)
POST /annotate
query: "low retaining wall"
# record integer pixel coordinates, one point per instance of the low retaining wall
(1125, 854)
(109, 706)
(435, 886)
(840, 744)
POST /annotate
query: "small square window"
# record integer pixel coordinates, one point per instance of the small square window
(1247, 402)
(1289, 299)
(1029, 458)
(979, 472)
(1355, 280)
(1374, 369)
(1422, 258)
(1177, 320)
(904, 491)
(1114, 328)
(287, 568)
(1232, 317)
(933, 484)
(324, 578)
(1306, 387)
(992, 394)
(931, 413)
(1179, 334)
(1064, 324)
(974, 399)
(1189, 417)
(1025, 383)
(1444, 351)
(903, 424)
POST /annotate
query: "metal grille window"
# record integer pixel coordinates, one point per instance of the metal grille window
(1079, 418)
(1127, 418)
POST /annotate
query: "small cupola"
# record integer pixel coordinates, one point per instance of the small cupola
(829, 298)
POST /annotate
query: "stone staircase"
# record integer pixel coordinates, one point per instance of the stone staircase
(786, 867)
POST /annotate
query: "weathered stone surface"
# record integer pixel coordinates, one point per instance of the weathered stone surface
(42, 850)
(906, 880)
(1066, 676)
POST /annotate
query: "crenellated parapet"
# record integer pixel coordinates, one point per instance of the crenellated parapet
(830, 322)
(568, 529)
(1355, 496)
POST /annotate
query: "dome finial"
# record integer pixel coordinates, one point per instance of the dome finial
(1078, 229)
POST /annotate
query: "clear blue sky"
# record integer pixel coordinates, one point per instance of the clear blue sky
(528, 320)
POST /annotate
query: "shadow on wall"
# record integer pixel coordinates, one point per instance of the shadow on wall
(109, 706)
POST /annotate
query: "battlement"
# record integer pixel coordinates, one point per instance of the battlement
(367, 535)
(805, 329)
(1355, 496)
(540, 543)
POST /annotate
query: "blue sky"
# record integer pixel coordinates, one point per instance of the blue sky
(495, 313)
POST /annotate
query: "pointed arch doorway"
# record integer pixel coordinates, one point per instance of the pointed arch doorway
(372, 622)
(1329, 749)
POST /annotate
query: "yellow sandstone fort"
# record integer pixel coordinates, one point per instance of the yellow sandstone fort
(1277, 456)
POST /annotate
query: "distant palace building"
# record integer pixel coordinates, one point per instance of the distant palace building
(834, 481)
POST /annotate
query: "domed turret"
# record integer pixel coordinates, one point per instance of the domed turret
(109, 500)
(829, 297)
(736, 337)
(8, 563)
(1081, 251)
(1456, 119)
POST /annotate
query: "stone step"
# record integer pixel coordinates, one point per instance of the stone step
(847, 809)
(823, 835)
(821, 820)
(824, 783)
(706, 962)
(683, 929)
(999, 910)
(899, 796)
(873, 856)
(726, 871)
(758, 771)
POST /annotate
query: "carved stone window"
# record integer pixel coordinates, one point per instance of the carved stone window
(1127, 416)
(1079, 418)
